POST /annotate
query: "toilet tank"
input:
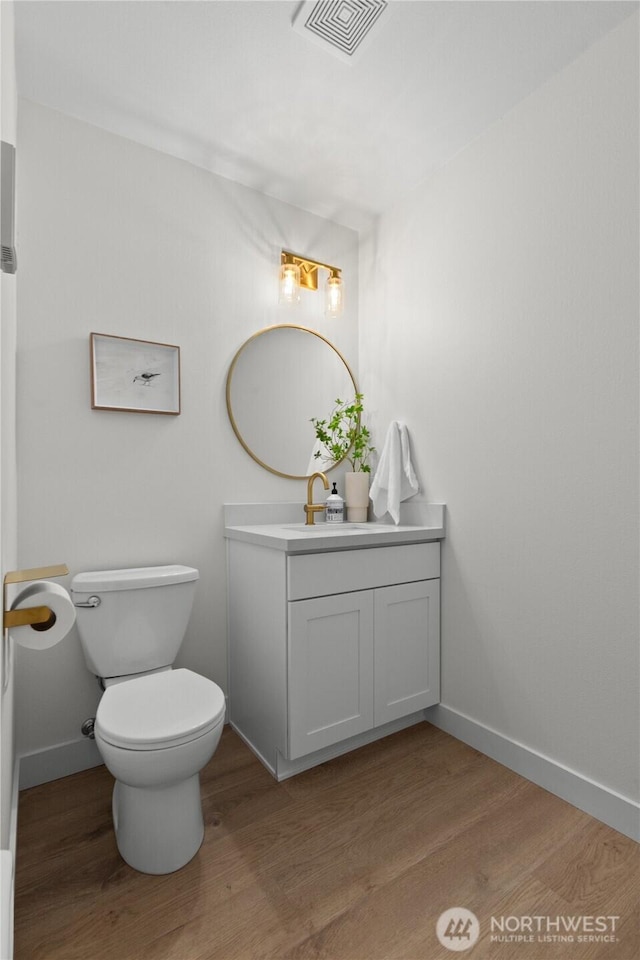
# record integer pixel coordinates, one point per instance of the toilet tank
(140, 620)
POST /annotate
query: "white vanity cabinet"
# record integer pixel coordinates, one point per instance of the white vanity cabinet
(329, 650)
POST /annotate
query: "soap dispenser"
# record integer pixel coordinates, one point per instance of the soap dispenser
(335, 507)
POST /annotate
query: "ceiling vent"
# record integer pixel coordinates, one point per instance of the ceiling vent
(340, 26)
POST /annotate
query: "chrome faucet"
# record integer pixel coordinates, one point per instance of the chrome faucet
(311, 508)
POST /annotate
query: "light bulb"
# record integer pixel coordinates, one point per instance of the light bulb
(334, 303)
(289, 283)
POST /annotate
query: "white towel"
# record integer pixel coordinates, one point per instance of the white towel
(395, 479)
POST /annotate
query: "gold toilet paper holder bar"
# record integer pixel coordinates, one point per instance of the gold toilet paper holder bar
(29, 615)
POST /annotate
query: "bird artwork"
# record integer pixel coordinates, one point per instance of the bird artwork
(145, 378)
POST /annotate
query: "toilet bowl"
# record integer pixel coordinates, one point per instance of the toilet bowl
(155, 733)
(155, 727)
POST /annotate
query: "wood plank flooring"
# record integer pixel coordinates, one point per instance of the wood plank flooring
(354, 860)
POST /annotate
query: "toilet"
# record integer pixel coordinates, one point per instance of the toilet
(155, 727)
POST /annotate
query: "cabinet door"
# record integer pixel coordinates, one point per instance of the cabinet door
(407, 649)
(330, 661)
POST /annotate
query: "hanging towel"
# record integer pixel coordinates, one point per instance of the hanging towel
(395, 479)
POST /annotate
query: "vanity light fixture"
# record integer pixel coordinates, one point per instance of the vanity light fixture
(296, 272)
(335, 295)
(289, 282)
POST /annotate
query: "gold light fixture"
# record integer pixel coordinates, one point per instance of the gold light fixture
(296, 272)
(289, 282)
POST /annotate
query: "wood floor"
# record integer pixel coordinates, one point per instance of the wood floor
(354, 860)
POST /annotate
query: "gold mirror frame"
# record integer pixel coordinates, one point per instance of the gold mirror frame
(236, 429)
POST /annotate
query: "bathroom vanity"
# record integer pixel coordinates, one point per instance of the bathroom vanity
(334, 631)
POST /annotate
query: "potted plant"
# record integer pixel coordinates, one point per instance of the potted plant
(344, 437)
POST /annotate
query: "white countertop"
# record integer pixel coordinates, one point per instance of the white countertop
(283, 529)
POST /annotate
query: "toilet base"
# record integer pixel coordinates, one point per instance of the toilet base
(158, 829)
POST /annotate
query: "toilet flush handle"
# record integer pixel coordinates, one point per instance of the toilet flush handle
(91, 602)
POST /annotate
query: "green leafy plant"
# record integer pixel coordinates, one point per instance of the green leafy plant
(344, 436)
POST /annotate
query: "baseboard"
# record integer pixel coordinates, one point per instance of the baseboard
(61, 760)
(617, 811)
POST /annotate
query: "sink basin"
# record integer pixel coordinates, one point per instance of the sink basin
(326, 529)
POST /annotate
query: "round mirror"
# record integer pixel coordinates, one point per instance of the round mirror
(278, 380)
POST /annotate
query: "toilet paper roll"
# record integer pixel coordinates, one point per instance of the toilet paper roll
(43, 593)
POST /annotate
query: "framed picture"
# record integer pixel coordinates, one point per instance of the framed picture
(135, 376)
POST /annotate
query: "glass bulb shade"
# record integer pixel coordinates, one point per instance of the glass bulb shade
(334, 296)
(289, 283)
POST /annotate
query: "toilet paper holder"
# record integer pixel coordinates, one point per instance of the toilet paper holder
(29, 615)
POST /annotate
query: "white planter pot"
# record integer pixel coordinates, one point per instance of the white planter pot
(356, 496)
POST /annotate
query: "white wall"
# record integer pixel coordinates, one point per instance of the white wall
(8, 520)
(117, 238)
(500, 309)
(501, 306)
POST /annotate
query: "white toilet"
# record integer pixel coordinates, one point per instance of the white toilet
(155, 727)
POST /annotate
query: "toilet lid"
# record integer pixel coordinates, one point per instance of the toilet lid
(159, 710)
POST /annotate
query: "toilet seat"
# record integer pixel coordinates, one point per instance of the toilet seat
(159, 710)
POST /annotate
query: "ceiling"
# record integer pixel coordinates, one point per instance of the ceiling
(229, 86)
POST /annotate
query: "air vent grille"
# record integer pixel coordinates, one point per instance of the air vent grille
(9, 262)
(340, 26)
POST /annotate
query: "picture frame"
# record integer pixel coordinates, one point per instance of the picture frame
(134, 376)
